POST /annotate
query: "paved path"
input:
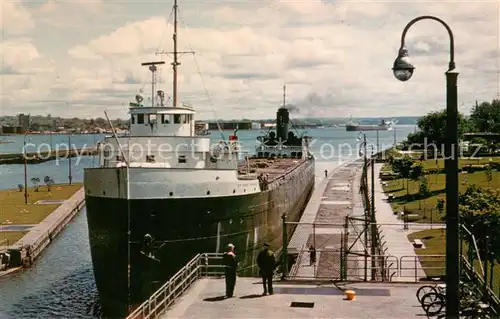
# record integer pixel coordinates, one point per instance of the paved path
(395, 236)
(377, 300)
(322, 222)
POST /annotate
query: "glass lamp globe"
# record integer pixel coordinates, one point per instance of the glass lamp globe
(403, 74)
(403, 69)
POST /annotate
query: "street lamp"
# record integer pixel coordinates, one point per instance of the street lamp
(403, 70)
(373, 223)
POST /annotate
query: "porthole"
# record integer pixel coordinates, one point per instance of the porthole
(208, 192)
(217, 178)
(230, 221)
(104, 192)
(244, 190)
(171, 193)
(234, 191)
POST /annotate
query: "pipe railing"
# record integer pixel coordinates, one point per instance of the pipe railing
(202, 265)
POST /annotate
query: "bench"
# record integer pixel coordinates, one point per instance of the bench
(417, 243)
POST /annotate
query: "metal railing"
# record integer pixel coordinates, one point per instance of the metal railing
(417, 266)
(202, 265)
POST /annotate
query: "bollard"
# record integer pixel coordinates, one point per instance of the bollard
(350, 295)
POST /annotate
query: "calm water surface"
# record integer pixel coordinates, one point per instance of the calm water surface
(61, 283)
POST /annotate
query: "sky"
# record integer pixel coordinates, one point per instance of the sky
(83, 57)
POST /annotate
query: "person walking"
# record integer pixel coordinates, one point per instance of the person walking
(230, 263)
(326, 173)
(267, 263)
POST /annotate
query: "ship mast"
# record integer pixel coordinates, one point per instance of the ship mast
(175, 63)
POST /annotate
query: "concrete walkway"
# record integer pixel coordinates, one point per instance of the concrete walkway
(205, 300)
(394, 234)
(322, 222)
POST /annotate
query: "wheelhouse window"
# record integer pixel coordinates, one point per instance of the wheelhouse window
(151, 118)
(182, 159)
(165, 119)
(140, 118)
(177, 119)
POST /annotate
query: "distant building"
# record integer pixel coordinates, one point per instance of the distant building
(24, 121)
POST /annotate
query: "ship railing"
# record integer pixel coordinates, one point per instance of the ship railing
(202, 265)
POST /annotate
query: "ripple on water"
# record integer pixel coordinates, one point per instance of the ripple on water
(72, 296)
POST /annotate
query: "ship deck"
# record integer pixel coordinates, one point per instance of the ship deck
(274, 168)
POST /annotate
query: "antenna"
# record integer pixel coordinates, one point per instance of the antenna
(176, 53)
(153, 69)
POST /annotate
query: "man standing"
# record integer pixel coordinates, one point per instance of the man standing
(231, 263)
(267, 263)
(312, 255)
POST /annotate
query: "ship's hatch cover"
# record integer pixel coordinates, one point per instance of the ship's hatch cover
(298, 304)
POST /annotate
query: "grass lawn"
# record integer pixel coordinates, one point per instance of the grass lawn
(8, 238)
(406, 197)
(14, 211)
(435, 244)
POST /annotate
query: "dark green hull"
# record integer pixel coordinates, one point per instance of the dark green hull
(182, 228)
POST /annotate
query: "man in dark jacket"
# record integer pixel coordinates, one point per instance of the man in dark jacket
(267, 263)
(231, 264)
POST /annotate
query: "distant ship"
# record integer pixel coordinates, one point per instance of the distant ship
(150, 212)
(384, 125)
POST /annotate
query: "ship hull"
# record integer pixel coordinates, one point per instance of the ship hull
(126, 274)
(352, 128)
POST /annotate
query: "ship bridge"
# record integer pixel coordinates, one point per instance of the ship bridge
(162, 121)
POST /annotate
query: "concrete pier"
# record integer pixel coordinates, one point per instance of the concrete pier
(204, 299)
(25, 251)
(40, 157)
(322, 224)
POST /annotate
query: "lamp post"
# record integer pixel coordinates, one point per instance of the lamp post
(25, 171)
(370, 219)
(403, 70)
(70, 177)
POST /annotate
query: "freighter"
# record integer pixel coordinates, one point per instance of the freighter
(162, 194)
(384, 125)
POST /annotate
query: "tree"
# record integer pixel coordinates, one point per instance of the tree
(489, 174)
(440, 208)
(403, 166)
(486, 116)
(49, 182)
(424, 186)
(480, 213)
(417, 171)
(433, 129)
(36, 182)
(20, 187)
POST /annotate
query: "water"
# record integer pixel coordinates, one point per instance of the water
(61, 283)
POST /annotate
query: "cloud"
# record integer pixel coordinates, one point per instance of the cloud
(15, 19)
(335, 56)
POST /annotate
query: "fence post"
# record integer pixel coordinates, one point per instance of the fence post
(314, 245)
(485, 264)
(342, 256)
(285, 246)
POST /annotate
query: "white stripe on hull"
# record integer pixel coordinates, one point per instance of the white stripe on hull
(148, 183)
